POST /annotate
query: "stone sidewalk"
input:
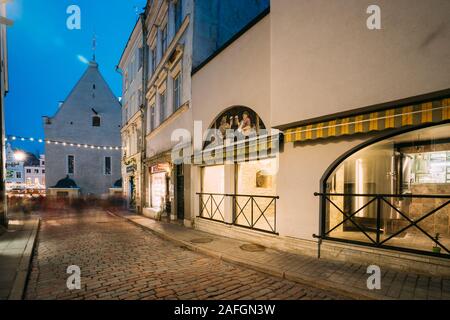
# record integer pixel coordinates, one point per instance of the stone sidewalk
(346, 278)
(16, 249)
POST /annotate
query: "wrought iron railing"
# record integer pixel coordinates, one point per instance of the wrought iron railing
(256, 212)
(212, 206)
(384, 206)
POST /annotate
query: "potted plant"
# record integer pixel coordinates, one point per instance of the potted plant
(436, 248)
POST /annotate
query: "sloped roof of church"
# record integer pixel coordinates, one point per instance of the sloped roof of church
(91, 81)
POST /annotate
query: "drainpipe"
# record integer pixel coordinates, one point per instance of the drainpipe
(120, 71)
(142, 180)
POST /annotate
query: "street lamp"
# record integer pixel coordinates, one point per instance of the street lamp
(19, 156)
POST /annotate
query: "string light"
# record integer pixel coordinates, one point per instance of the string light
(63, 143)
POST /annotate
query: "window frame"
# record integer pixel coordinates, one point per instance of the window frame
(110, 165)
(162, 106)
(99, 121)
(67, 164)
(177, 91)
(164, 39)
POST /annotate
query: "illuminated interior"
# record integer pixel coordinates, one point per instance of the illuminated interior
(413, 163)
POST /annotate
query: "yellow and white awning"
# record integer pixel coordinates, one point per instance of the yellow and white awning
(430, 112)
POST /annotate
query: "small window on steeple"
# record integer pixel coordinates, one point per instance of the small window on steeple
(96, 121)
(93, 86)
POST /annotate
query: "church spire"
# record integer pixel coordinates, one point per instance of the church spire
(94, 47)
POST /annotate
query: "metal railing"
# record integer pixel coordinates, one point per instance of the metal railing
(211, 207)
(381, 219)
(256, 212)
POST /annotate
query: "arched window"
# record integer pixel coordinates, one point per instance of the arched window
(96, 121)
(393, 192)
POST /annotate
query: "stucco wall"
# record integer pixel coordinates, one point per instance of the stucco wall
(301, 168)
(325, 60)
(239, 75)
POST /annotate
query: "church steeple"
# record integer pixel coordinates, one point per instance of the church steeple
(94, 47)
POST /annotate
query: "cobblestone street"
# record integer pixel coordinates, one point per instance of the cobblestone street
(119, 260)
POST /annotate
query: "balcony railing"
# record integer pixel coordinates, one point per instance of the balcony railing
(405, 222)
(257, 212)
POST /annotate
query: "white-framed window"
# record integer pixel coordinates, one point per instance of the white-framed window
(19, 175)
(177, 91)
(28, 170)
(162, 106)
(70, 164)
(107, 166)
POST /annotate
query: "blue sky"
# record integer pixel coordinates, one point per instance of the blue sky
(43, 55)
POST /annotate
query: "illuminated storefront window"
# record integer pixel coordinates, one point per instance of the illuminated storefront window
(394, 193)
(256, 178)
(159, 186)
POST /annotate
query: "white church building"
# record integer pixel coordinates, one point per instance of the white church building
(83, 137)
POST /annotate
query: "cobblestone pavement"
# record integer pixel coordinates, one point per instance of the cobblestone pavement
(119, 260)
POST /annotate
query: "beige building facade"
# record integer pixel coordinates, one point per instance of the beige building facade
(362, 173)
(341, 131)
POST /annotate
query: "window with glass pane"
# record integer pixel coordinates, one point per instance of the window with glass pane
(152, 117)
(257, 178)
(213, 187)
(405, 178)
(177, 92)
(107, 165)
(178, 14)
(153, 57)
(162, 107)
(164, 39)
(70, 164)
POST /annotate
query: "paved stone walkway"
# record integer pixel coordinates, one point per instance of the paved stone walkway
(347, 278)
(120, 260)
(16, 246)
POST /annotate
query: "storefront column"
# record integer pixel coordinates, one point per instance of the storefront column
(229, 189)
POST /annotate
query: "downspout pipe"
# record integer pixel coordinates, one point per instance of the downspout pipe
(143, 17)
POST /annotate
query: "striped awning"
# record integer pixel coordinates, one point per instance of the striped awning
(434, 111)
(262, 147)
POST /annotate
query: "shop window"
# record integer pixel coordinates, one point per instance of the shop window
(159, 186)
(213, 190)
(259, 179)
(375, 193)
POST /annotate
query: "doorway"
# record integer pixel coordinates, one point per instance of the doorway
(180, 192)
(132, 194)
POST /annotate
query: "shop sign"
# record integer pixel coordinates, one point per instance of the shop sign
(160, 167)
(131, 168)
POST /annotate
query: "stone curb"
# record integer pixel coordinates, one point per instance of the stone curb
(20, 282)
(315, 282)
